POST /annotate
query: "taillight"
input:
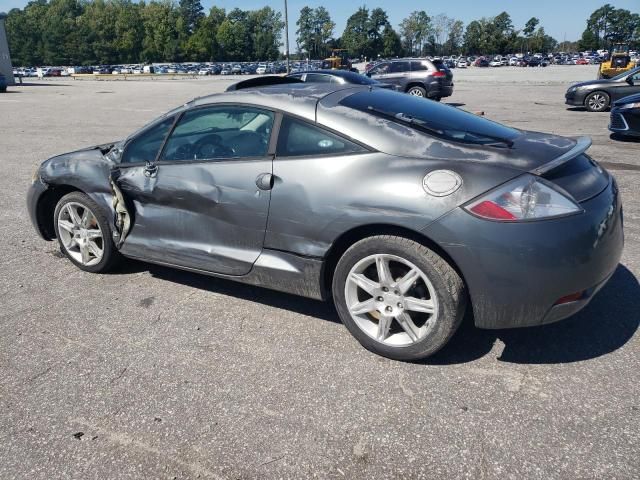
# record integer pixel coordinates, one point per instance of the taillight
(525, 198)
(438, 74)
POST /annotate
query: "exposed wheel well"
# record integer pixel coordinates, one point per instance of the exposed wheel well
(347, 239)
(415, 84)
(47, 205)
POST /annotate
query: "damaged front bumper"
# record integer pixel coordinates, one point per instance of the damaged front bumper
(34, 194)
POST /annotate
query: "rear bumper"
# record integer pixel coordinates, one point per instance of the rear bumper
(516, 273)
(437, 90)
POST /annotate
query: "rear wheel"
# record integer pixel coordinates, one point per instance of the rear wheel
(397, 297)
(417, 91)
(597, 101)
(84, 233)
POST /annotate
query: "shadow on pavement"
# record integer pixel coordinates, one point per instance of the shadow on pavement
(32, 84)
(624, 138)
(272, 298)
(605, 325)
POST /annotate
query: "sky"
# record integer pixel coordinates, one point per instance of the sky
(562, 19)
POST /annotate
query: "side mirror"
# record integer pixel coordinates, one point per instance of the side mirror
(630, 80)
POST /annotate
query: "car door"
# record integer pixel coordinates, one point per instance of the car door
(380, 71)
(199, 196)
(399, 73)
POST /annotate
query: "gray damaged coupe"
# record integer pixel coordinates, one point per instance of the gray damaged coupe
(399, 209)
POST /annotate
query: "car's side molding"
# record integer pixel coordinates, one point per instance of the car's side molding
(581, 146)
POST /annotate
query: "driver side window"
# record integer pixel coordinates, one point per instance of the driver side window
(380, 69)
(218, 133)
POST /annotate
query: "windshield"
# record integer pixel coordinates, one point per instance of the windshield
(431, 117)
(626, 74)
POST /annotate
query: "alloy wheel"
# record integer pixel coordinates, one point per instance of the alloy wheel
(416, 92)
(391, 300)
(80, 233)
(597, 102)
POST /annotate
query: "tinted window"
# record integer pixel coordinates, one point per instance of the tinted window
(430, 117)
(397, 67)
(418, 66)
(145, 146)
(220, 132)
(380, 69)
(301, 138)
(318, 78)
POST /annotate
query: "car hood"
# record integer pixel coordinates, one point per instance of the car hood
(630, 99)
(593, 83)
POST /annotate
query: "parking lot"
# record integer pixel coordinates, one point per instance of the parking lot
(155, 373)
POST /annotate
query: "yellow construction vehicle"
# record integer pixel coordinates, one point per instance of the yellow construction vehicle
(619, 61)
(339, 60)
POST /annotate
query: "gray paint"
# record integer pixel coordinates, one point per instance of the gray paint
(6, 68)
(210, 216)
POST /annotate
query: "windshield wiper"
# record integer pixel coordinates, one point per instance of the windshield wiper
(420, 124)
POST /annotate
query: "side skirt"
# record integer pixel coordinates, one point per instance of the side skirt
(276, 270)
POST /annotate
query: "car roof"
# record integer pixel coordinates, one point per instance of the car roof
(297, 98)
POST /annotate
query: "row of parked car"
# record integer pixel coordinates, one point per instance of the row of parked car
(244, 68)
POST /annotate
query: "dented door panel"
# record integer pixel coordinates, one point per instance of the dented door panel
(209, 216)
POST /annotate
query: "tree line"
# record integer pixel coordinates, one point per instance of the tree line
(89, 32)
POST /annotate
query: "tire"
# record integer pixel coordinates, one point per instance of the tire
(389, 334)
(78, 236)
(597, 101)
(417, 91)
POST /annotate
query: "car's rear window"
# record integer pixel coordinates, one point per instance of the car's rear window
(431, 117)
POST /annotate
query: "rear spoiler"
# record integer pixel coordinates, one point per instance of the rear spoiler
(581, 146)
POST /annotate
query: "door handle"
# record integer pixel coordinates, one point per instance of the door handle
(264, 181)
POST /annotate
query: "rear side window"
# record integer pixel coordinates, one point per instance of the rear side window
(418, 67)
(398, 67)
(299, 138)
(145, 147)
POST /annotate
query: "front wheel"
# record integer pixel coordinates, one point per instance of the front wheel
(84, 233)
(597, 101)
(397, 297)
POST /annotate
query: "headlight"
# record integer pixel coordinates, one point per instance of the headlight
(629, 105)
(525, 198)
(572, 89)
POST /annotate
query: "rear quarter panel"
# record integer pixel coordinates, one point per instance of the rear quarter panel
(317, 199)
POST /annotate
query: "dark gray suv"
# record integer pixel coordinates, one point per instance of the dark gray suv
(415, 76)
